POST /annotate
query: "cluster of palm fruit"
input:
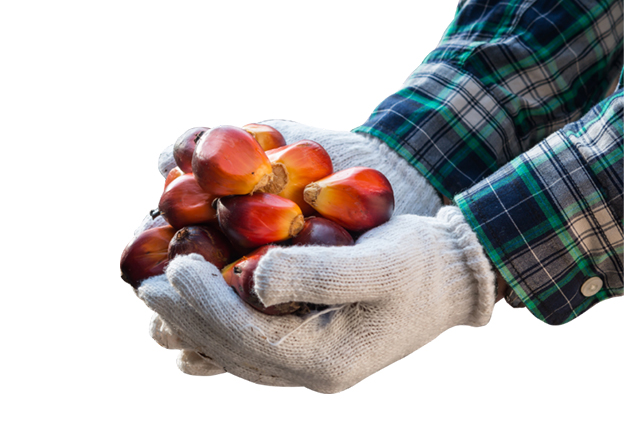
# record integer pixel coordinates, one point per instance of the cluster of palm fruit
(237, 192)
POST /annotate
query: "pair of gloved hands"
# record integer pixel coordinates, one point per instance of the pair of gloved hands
(399, 287)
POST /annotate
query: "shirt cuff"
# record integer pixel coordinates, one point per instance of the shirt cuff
(551, 219)
(448, 125)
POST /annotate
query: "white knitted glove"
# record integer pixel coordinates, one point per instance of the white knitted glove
(189, 360)
(413, 194)
(398, 288)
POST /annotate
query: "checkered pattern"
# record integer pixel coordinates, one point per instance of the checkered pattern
(552, 217)
(505, 77)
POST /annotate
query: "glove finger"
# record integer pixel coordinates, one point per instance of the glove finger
(204, 289)
(323, 275)
(291, 130)
(252, 374)
(197, 364)
(158, 294)
(166, 162)
(150, 222)
(165, 336)
(192, 363)
(198, 281)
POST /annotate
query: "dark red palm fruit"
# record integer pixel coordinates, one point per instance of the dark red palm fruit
(205, 240)
(184, 203)
(184, 148)
(229, 161)
(173, 175)
(240, 276)
(146, 256)
(303, 162)
(357, 198)
(255, 220)
(268, 137)
(322, 232)
(228, 270)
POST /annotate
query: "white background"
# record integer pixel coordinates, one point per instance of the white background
(90, 94)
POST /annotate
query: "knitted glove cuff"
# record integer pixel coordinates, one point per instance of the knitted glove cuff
(476, 261)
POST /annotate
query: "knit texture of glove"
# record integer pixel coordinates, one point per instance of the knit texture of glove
(189, 361)
(397, 289)
(412, 193)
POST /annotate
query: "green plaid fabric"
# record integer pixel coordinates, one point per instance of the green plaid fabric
(552, 218)
(506, 76)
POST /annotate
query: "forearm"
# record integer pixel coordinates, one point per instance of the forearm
(504, 77)
(551, 220)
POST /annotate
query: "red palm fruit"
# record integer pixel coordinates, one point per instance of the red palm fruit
(303, 162)
(229, 161)
(184, 148)
(205, 240)
(173, 175)
(146, 255)
(323, 232)
(228, 270)
(267, 136)
(240, 276)
(255, 220)
(357, 198)
(184, 203)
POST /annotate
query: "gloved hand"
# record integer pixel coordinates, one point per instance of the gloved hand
(398, 288)
(413, 194)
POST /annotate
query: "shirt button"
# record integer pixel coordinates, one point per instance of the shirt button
(591, 286)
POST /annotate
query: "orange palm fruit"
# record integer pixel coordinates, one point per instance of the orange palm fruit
(239, 276)
(357, 198)
(302, 163)
(228, 270)
(229, 161)
(173, 175)
(146, 256)
(267, 136)
(254, 220)
(184, 203)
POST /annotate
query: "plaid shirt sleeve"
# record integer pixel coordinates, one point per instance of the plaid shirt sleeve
(551, 219)
(506, 76)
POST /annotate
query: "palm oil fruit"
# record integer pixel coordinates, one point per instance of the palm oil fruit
(173, 174)
(254, 220)
(229, 161)
(184, 148)
(184, 203)
(205, 240)
(303, 162)
(228, 271)
(268, 137)
(357, 198)
(146, 256)
(241, 279)
(320, 231)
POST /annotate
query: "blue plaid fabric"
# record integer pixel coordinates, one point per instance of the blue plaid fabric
(503, 89)
(551, 219)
